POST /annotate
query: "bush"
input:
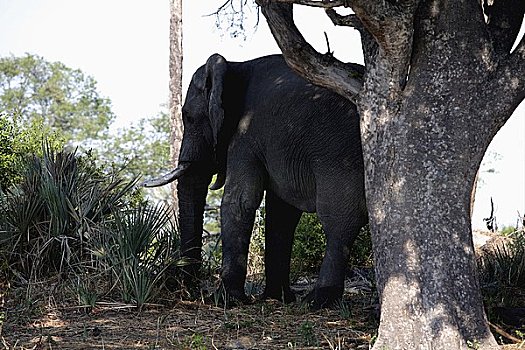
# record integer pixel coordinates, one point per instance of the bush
(502, 272)
(50, 215)
(19, 142)
(310, 243)
(66, 216)
(139, 248)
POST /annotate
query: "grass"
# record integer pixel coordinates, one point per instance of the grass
(189, 325)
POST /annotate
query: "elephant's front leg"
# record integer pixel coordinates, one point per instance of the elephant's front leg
(242, 197)
(281, 221)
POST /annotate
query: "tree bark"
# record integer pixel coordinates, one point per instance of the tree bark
(439, 83)
(175, 103)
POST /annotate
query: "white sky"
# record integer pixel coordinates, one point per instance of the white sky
(124, 45)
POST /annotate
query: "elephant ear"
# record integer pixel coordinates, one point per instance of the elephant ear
(216, 68)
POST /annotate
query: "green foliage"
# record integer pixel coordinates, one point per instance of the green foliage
(32, 88)
(307, 334)
(68, 216)
(309, 245)
(508, 230)
(18, 142)
(54, 210)
(139, 249)
(361, 253)
(142, 148)
(195, 342)
(41, 99)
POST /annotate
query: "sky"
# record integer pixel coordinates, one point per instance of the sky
(124, 45)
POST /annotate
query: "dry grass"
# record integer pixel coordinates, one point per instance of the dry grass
(188, 325)
(45, 323)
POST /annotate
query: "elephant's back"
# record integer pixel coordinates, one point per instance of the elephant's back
(305, 134)
(295, 113)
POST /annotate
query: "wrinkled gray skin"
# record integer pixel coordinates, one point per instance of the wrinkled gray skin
(261, 127)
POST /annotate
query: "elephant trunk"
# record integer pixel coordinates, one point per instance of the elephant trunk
(192, 190)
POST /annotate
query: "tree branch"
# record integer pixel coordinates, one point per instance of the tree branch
(510, 79)
(322, 70)
(315, 3)
(390, 24)
(504, 22)
(348, 20)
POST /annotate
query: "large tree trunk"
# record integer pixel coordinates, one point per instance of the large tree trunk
(423, 143)
(422, 147)
(420, 173)
(439, 84)
(175, 102)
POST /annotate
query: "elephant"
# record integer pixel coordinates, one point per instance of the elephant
(262, 128)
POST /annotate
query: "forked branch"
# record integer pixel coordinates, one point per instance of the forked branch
(349, 20)
(323, 70)
(317, 3)
(504, 19)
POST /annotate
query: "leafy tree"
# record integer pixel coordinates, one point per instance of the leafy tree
(32, 88)
(18, 142)
(441, 79)
(142, 148)
(42, 100)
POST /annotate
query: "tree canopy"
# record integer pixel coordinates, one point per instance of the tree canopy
(42, 100)
(32, 88)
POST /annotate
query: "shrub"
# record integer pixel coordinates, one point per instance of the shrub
(502, 278)
(50, 215)
(139, 248)
(19, 142)
(66, 216)
(310, 243)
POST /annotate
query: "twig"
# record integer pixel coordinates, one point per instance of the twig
(329, 52)
(502, 332)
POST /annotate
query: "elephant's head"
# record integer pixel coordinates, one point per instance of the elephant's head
(199, 157)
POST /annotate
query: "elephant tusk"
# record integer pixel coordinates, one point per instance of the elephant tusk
(170, 177)
(219, 181)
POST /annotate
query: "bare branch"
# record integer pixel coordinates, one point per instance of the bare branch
(232, 16)
(504, 19)
(316, 3)
(328, 51)
(348, 20)
(323, 70)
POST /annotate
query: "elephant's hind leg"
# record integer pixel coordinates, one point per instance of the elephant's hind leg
(342, 216)
(281, 221)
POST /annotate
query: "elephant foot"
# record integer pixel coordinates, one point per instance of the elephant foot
(186, 279)
(285, 295)
(324, 297)
(230, 298)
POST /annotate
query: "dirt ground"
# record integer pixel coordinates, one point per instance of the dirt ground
(192, 325)
(46, 322)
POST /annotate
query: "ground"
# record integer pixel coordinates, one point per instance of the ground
(44, 318)
(193, 325)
